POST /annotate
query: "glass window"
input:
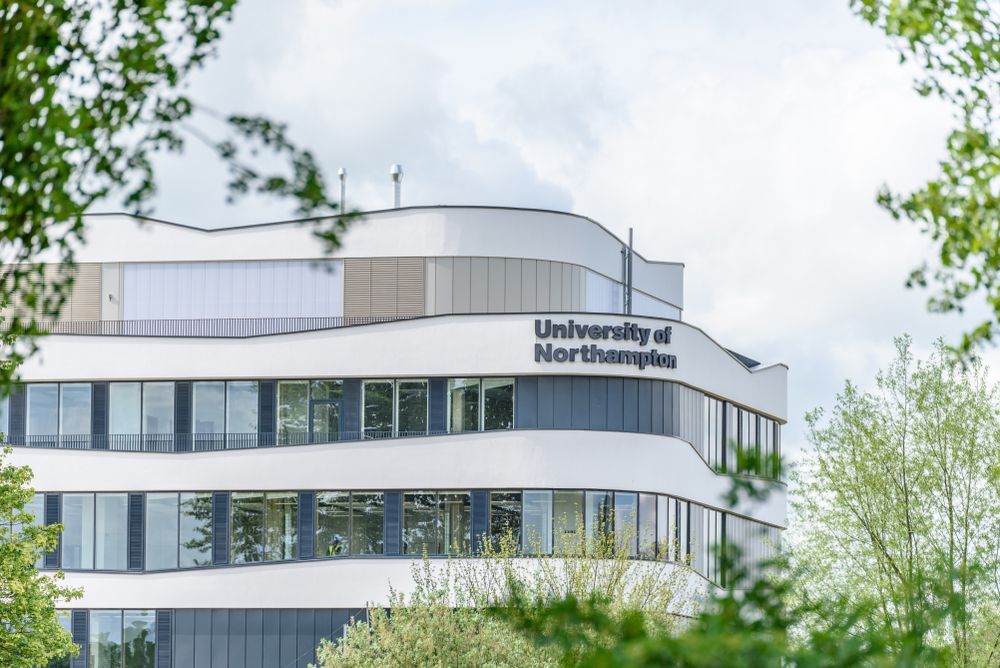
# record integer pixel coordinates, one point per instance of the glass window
(281, 539)
(247, 527)
(412, 409)
(537, 533)
(157, 408)
(43, 409)
(367, 522)
(293, 412)
(664, 539)
(105, 646)
(626, 521)
(209, 407)
(327, 390)
(498, 403)
(420, 523)
(455, 521)
(463, 404)
(66, 624)
(78, 531)
(505, 517)
(4, 412)
(111, 532)
(242, 403)
(74, 409)
(36, 508)
(377, 413)
(195, 526)
(647, 526)
(333, 523)
(162, 514)
(140, 639)
(597, 519)
(567, 518)
(125, 408)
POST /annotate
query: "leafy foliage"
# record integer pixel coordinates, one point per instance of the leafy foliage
(30, 633)
(957, 43)
(90, 91)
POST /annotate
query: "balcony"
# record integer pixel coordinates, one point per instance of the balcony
(209, 327)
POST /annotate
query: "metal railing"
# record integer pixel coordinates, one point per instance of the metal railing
(210, 327)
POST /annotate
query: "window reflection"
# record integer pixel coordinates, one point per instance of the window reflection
(162, 516)
(377, 408)
(247, 527)
(78, 531)
(505, 517)
(281, 528)
(498, 403)
(463, 404)
(293, 412)
(195, 528)
(412, 407)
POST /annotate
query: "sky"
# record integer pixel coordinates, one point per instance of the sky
(747, 140)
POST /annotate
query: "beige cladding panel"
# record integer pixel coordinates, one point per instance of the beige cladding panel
(357, 287)
(410, 280)
(83, 302)
(385, 286)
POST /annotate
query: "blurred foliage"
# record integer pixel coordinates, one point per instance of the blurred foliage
(956, 43)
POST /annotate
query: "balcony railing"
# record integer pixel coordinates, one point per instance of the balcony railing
(210, 327)
(199, 442)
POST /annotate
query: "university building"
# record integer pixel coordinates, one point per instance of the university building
(246, 440)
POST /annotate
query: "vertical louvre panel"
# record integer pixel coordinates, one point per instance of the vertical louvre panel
(410, 289)
(182, 415)
(526, 402)
(164, 638)
(53, 515)
(307, 525)
(17, 419)
(80, 628)
(383, 286)
(99, 416)
(357, 287)
(480, 518)
(266, 414)
(393, 522)
(438, 400)
(136, 532)
(220, 528)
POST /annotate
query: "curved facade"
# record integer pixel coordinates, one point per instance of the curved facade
(245, 440)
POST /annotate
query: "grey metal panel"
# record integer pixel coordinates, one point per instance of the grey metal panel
(529, 296)
(543, 282)
(202, 638)
(630, 404)
(461, 285)
(526, 400)
(271, 638)
(430, 293)
(289, 646)
(255, 639)
(546, 390)
(497, 284)
(305, 652)
(220, 638)
(562, 408)
(184, 637)
(567, 287)
(237, 638)
(322, 625)
(444, 297)
(341, 618)
(598, 403)
(656, 403)
(575, 288)
(555, 286)
(583, 289)
(479, 277)
(645, 423)
(512, 285)
(581, 402)
(615, 404)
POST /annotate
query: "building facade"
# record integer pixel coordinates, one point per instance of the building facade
(246, 440)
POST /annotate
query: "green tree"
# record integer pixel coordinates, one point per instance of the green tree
(90, 91)
(30, 633)
(898, 488)
(957, 45)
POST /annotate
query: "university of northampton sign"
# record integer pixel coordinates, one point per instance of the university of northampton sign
(594, 354)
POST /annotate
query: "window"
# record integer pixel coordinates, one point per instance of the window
(537, 533)
(463, 404)
(456, 526)
(4, 420)
(125, 408)
(195, 526)
(293, 412)
(65, 623)
(505, 519)
(597, 520)
(281, 539)
(140, 639)
(74, 412)
(498, 403)
(603, 295)
(105, 645)
(647, 526)
(664, 537)
(333, 524)
(377, 411)
(111, 532)
(78, 531)
(36, 508)
(247, 527)
(114, 644)
(43, 410)
(242, 404)
(626, 522)
(436, 523)
(567, 518)
(157, 408)
(412, 407)
(162, 516)
(367, 522)
(209, 414)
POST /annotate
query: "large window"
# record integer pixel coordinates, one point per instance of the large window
(158, 408)
(436, 523)
(209, 414)
(195, 529)
(349, 523)
(377, 409)
(247, 527)
(225, 414)
(111, 532)
(626, 522)
(162, 516)
(122, 639)
(141, 408)
(105, 644)
(567, 518)
(78, 531)
(463, 404)
(74, 413)
(647, 526)
(597, 518)
(125, 408)
(281, 539)
(242, 405)
(293, 412)
(498, 403)
(43, 410)
(505, 519)
(537, 536)
(140, 639)
(411, 398)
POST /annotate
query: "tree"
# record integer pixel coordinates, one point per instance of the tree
(957, 44)
(899, 488)
(30, 633)
(90, 91)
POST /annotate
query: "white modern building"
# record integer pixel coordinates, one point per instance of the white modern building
(245, 440)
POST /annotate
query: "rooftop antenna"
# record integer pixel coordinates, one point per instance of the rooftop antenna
(396, 172)
(342, 175)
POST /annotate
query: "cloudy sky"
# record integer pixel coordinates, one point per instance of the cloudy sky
(746, 140)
